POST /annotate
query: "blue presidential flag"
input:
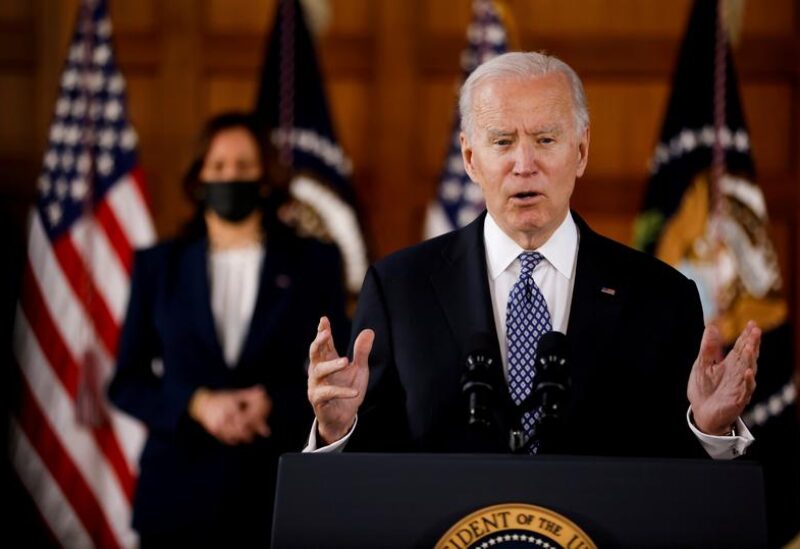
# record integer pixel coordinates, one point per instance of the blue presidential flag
(705, 214)
(293, 109)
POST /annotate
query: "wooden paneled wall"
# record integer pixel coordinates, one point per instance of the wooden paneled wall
(391, 67)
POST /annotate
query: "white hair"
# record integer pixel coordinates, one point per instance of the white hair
(521, 65)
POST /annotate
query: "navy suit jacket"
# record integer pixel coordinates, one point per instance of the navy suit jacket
(634, 331)
(190, 482)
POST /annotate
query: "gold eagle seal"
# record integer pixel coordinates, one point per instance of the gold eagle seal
(515, 525)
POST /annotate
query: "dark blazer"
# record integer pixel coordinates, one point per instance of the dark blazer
(191, 485)
(632, 347)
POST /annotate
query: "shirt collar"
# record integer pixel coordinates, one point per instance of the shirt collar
(560, 250)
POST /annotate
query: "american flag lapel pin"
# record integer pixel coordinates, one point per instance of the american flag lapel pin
(608, 291)
(283, 281)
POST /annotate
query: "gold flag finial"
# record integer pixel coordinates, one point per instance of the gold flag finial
(732, 18)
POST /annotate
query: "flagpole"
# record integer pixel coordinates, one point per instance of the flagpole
(717, 205)
(286, 101)
(89, 407)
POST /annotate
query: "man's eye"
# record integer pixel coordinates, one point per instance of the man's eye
(502, 142)
(546, 140)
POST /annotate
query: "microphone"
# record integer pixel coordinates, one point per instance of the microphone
(477, 384)
(551, 389)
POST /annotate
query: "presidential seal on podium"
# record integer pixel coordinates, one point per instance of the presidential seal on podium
(513, 525)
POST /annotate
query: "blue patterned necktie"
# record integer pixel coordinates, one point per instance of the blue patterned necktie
(527, 318)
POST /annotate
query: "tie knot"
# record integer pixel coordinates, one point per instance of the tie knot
(529, 261)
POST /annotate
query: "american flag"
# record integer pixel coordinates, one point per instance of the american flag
(74, 454)
(459, 200)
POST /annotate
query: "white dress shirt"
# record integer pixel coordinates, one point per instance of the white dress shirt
(234, 276)
(555, 276)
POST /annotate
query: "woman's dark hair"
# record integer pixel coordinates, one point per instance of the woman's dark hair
(273, 174)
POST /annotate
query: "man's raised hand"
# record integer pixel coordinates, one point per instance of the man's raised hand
(336, 385)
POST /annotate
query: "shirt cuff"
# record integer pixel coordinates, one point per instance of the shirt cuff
(337, 446)
(723, 447)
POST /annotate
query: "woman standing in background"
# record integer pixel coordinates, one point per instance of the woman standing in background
(213, 351)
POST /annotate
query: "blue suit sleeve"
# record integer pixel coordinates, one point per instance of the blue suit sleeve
(135, 387)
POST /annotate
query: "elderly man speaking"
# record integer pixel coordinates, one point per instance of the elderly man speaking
(645, 379)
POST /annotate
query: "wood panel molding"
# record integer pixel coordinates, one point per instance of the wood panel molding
(342, 55)
(621, 57)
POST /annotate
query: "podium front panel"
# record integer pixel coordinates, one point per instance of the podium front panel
(411, 500)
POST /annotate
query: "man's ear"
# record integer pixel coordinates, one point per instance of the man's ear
(583, 152)
(466, 155)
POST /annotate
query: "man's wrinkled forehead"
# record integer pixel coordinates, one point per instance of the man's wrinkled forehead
(496, 110)
(493, 131)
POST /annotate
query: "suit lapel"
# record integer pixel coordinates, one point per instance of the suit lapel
(597, 299)
(275, 287)
(200, 296)
(462, 288)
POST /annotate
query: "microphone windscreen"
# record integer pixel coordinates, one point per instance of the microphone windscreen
(553, 343)
(481, 343)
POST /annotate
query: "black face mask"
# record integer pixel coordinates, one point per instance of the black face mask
(231, 200)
